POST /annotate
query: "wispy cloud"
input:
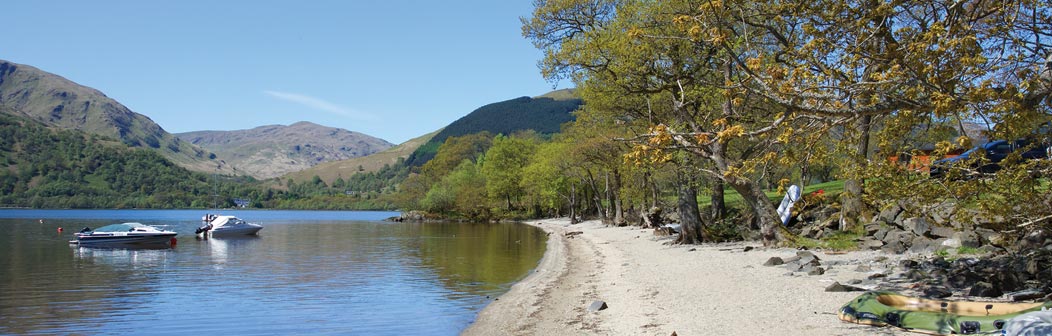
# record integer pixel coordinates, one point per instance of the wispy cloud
(320, 105)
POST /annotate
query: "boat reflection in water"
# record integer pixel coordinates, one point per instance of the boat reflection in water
(220, 248)
(144, 256)
(125, 235)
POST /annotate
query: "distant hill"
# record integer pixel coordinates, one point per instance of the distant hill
(276, 150)
(58, 102)
(544, 114)
(330, 171)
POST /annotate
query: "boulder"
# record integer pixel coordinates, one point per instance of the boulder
(951, 243)
(1035, 240)
(968, 239)
(806, 256)
(872, 244)
(937, 293)
(984, 289)
(921, 244)
(889, 214)
(940, 232)
(837, 287)
(774, 261)
(881, 233)
(873, 227)
(918, 225)
(817, 271)
(987, 236)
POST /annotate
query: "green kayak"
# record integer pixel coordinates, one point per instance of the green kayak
(935, 317)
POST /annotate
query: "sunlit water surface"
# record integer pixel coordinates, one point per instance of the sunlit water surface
(308, 272)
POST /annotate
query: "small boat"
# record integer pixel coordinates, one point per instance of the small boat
(225, 226)
(936, 317)
(123, 234)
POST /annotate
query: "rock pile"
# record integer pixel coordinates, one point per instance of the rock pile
(802, 262)
(894, 230)
(1017, 276)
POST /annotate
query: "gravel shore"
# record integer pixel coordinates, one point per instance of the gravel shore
(652, 287)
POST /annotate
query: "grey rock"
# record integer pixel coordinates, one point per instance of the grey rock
(951, 243)
(968, 239)
(918, 225)
(889, 214)
(817, 271)
(863, 268)
(937, 293)
(774, 261)
(837, 287)
(806, 256)
(881, 233)
(873, 227)
(941, 232)
(922, 244)
(1026, 294)
(872, 244)
(597, 306)
(984, 289)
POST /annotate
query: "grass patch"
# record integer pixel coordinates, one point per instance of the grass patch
(734, 200)
(838, 241)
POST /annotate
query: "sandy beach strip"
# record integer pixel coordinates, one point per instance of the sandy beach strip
(655, 288)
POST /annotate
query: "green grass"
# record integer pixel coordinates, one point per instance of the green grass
(838, 241)
(734, 200)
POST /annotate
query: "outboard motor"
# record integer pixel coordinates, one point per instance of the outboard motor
(203, 229)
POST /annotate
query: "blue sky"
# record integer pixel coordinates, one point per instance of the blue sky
(393, 69)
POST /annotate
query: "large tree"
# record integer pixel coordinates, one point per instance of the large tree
(737, 81)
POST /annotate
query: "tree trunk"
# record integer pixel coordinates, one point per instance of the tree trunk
(615, 193)
(597, 198)
(719, 205)
(770, 226)
(852, 199)
(690, 217)
(573, 203)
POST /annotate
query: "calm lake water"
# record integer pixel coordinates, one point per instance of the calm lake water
(309, 272)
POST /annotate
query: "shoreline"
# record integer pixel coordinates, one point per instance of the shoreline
(652, 287)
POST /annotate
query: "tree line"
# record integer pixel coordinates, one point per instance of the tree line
(685, 98)
(47, 168)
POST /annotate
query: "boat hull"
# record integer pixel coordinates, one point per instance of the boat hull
(124, 240)
(935, 317)
(244, 230)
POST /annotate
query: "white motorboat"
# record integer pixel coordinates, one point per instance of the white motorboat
(124, 234)
(225, 226)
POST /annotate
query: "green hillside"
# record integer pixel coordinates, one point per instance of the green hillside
(57, 102)
(46, 168)
(544, 114)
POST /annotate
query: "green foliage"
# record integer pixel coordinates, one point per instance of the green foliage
(45, 168)
(504, 165)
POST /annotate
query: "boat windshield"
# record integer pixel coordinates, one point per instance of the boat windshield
(122, 227)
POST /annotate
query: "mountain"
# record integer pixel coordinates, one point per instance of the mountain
(544, 114)
(275, 150)
(60, 103)
(330, 171)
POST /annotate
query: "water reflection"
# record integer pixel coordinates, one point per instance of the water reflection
(219, 248)
(301, 277)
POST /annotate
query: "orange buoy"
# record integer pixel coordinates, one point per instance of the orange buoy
(172, 241)
(60, 229)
